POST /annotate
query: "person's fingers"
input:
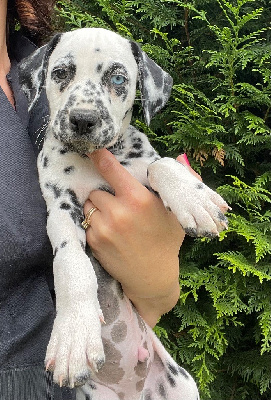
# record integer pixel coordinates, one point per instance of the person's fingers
(114, 173)
(102, 200)
(87, 206)
(182, 158)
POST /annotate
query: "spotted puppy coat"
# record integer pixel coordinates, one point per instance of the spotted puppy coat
(90, 76)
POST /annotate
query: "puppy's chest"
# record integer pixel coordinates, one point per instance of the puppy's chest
(61, 169)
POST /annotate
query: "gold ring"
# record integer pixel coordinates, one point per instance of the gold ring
(86, 222)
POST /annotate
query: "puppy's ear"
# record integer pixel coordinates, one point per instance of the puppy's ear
(155, 84)
(33, 70)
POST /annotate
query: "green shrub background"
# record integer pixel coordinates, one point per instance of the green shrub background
(218, 53)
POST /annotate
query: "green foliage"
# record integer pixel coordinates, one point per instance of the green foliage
(219, 54)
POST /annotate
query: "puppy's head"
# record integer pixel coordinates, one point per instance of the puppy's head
(90, 76)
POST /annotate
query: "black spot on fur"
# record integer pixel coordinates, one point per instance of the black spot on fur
(65, 206)
(99, 67)
(121, 91)
(173, 369)
(63, 151)
(75, 208)
(92, 386)
(45, 162)
(69, 169)
(133, 154)
(63, 244)
(147, 395)
(171, 380)
(103, 110)
(71, 101)
(200, 186)
(117, 149)
(73, 198)
(63, 121)
(97, 49)
(87, 92)
(125, 163)
(137, 146)
(162, 391)
(183, 372)
(77, 216)
(55, 189)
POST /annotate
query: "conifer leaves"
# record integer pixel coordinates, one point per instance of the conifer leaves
(219, 55)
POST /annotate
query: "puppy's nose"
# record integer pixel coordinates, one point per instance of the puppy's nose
(83, 121)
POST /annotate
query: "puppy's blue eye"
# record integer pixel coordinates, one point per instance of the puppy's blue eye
(118, 79)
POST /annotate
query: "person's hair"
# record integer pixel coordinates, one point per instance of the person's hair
(34, 16)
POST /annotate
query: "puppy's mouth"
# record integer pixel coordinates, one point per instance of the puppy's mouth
(83, 144)
(81, 147)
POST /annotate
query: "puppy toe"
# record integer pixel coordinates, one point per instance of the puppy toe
(218, 200)
(80, 380)
(96, 361)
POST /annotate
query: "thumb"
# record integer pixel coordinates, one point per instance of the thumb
(113, 172)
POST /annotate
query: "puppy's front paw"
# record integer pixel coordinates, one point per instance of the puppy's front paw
(75, 349)
(199, 209)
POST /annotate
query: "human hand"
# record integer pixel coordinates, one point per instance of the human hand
(135, 239)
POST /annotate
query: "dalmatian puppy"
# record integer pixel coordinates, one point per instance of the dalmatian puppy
(99, 342)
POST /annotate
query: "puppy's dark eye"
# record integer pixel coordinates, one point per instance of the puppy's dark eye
(61, 73)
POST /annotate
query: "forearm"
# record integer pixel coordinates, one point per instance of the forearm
(154, 289)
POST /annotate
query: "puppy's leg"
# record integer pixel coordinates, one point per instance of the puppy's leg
(166, 379)
(75, 345)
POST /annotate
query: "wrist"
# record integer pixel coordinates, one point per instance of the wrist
(152, 308)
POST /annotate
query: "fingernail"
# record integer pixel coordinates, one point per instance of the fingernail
(186, 159)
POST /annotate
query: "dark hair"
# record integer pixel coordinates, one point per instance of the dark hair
(34, 17)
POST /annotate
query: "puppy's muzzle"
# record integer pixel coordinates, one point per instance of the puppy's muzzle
(83, 121)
